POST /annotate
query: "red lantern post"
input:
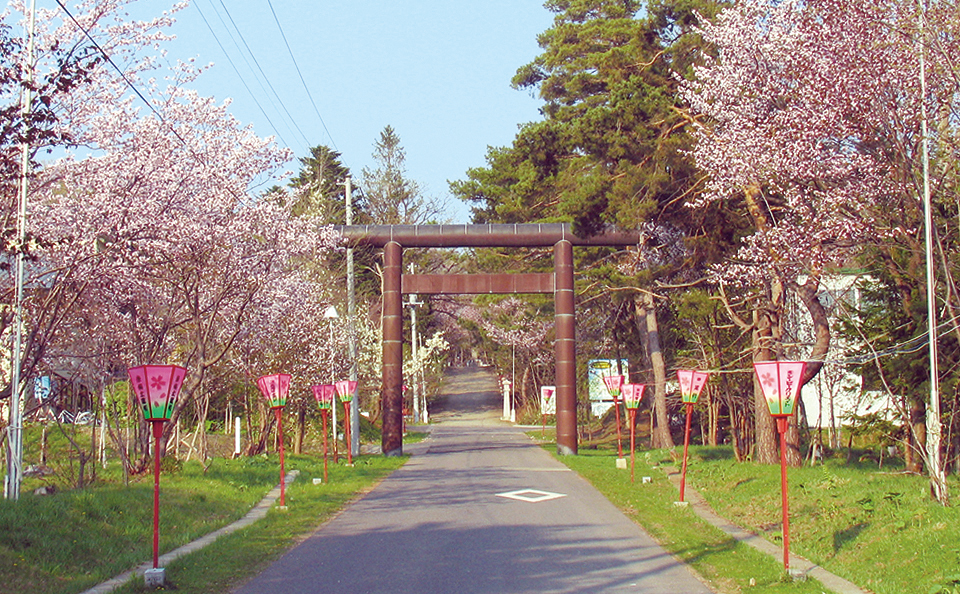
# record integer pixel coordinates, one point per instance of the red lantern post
(613, 384)
(780, 382)
(275, 389)
(324, 395)
(691, 384)
(346, 390)
(157, 388)
(632, 394)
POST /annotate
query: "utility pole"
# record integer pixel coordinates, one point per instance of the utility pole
(415, 344)
(938, 481)
(352, 329)
(11, 487)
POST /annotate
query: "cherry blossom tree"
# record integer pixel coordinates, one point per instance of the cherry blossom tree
(812, 125)
(152, 227)
(515, 324)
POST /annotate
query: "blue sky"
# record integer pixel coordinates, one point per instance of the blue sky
(437, 71)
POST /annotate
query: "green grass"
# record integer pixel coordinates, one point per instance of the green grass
(878, 529)
(75, 539)
(729, 566)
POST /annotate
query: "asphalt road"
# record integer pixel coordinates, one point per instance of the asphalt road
(478, 509)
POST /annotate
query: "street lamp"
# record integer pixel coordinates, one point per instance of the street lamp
(632, 394)
(613, 384)
(780, 382)
(157, 388)
(691, 384)
(275, 389)
(324, 394)
(346, 389)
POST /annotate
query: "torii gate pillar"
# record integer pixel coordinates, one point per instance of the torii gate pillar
(565, 348)
(392, 395)
(394, 238)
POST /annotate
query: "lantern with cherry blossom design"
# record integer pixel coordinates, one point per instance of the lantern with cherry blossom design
(346, 389)
(324, 395)
(613, 384)
(780, 382)
(157, 388)
(275, 389)
(691, 384)
(632, 395)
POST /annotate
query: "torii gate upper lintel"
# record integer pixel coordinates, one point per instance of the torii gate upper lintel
(394, 238)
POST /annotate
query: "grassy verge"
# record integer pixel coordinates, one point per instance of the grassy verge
(726, 564)
(73, 540)
(876, 528)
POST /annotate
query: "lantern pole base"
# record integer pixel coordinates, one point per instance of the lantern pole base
(154, 578)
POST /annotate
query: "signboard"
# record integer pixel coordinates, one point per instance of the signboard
(41, 388)
(597, 369)
(548, 400)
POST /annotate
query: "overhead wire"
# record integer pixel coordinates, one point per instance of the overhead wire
(266, 79)
(300, 74)
(239, 75)
(126, 80)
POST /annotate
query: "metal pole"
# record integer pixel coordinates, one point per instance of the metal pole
(352, 329)
(782, 429)
(15, 430)
(157, 434)
(323, 415)
(938, 481)
(334, 413)
(415, 344)
(633, 443)
(616, 409)
(346, 427)
(280, 439)
(686, 445)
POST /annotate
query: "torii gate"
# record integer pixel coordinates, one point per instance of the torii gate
(394, 238)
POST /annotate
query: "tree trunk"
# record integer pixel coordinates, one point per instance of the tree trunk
(765, 428)
(647, 311)
(300, 428)
(916, 436)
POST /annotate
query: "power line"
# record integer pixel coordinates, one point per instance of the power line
(237, 71)
(200, 161)
(264, 75)
(123, 75)
(300, 74)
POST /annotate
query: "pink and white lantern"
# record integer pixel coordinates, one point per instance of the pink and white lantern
(781, 383)
(275, 389)
(346, 389)
(157, 388)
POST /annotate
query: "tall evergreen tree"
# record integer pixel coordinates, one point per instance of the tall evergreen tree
(392, 197)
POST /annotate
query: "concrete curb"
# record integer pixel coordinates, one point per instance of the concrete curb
(798, 565)
(257, 512)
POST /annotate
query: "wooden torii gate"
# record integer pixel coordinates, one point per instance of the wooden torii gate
(394, 238)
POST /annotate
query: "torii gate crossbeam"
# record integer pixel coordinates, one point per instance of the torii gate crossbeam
(394, 238)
